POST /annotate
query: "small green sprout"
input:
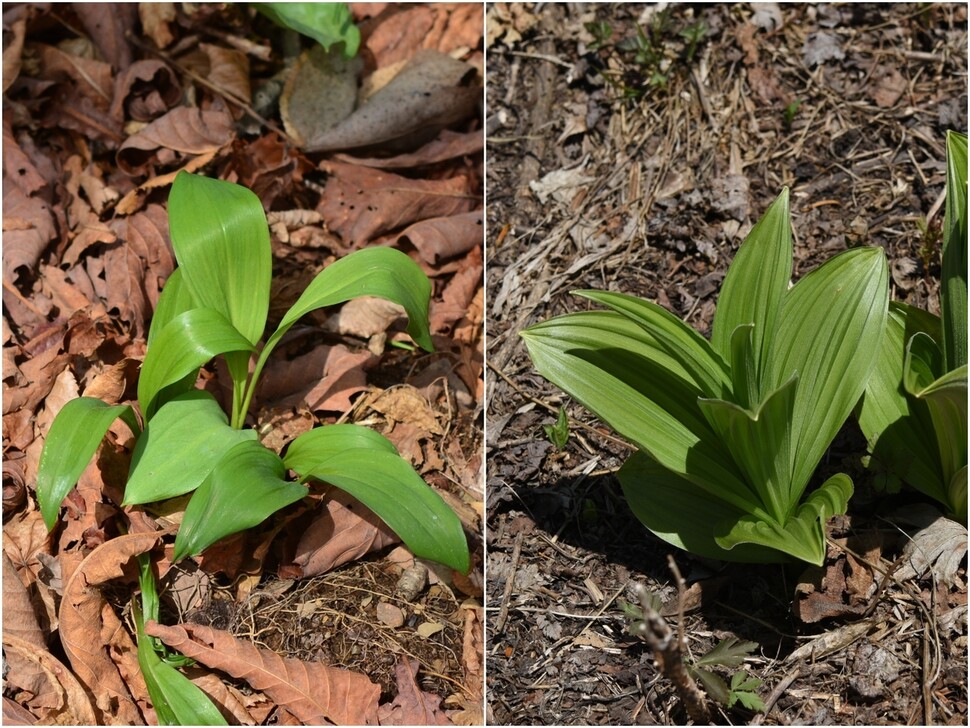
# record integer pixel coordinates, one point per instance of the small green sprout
(558, 434)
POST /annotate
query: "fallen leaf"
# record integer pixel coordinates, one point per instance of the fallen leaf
(183, 129)
(889, 86)
(323, 380)
(431, 92)
(445, 237)
(403, 403)
(28, 227)
(148, 89)
(367, 315)
(412, 706)
(343, 531)
(821, 47)
(315, 693)
(939, 546)
(108, 26)
(447, 145)
(320, 92)
(156, 19)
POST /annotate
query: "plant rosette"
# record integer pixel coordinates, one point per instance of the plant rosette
(730, 430)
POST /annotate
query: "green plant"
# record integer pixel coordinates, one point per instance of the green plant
(326, 23)
(558, 434)
(914, 412)
(216, 304)
(730, 430)
(728, 653)
(791, 110)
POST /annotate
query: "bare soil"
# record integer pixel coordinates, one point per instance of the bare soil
(668, 159)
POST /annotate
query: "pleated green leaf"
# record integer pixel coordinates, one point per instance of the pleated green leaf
(71, 442)
(899, 427)
(755, 285)
(179, 448)
(760, 442)
(691, 350)
(221, 241)
(946, 399)
(183, 345)
(366, 465)
(829, 333)
(746, 390)
(619, 371)
(245, 487)
(682, 513)
(383, 272)
(801, 536)
(953, 282)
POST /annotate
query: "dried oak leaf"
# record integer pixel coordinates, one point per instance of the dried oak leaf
(412, 706)
(28, 227)
(94, 640)
(315, 693)
(343, 531)
(183, 129)
(359, 203)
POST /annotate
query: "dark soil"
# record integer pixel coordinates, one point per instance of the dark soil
(848, 106)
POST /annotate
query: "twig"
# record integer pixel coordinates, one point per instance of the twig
(653, 629)
(503, 614)
(779, 690)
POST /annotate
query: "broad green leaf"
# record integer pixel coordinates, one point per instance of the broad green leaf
(175, 698)
(691, 350)
(245, 487)
(682, 513)
(829, 332)
(899, 427)
(187, 342)
(383, 272)
(180, 446)
(802, 535)
(923, 364)
(957, 493)
(71, 442)
(221, 241)
(618, 371)
(755, 285)
(387, 484)
(175, 299)
(746, 391)
(326, 23)
(713, 683)
(318, 444)
(953, 283)
(946, 399)
(760, 442)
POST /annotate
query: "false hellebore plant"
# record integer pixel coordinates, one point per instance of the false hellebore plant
(730, 430)
(914, 412)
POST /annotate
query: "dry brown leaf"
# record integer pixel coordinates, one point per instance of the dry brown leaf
(445, 237)
(19, 167)
(323, 380)
(431, 92)
(92, 636)
(412, 706)
(367, 315)
(458, 295)
(64, 702)
(147, 90)
(20, 622)
(404, 403)
(183, 129)
(228, 70)
(107, 25)
(320, 92)
(28, 227)
(125, 274)
(155, 21)
(343, 531)
(359, 203)
(315, 693)
(447, 145)
(13, 51)
(889, 86)
(16, 714)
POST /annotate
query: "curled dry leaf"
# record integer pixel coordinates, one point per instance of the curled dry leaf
(343, 531)
(445, 237)
(412, 706)
(940, 546)
(315, 693)
(28, 227)
(107, 25)
(183, 129)
(86, 617)
(228, 70)
(147, 90)
(431, 92)
(322, 380)
(447, 145)
(65, 701)
(367, 316)
(20, 623)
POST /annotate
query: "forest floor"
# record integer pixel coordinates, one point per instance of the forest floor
(637, 162)
(103, 105)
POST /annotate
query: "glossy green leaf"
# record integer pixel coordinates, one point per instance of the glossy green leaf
(831, 326)
(326, 23)
(618, 370)
(682, 513)
(180, 446)
(245, 487)
(746, 389)
(691, 350)
(71, 442)
(383, 481)
(946, 399)
(183, 345)
(755, 284)
(760, 442)
(957, 493)
(221, 241)
(953, 283)
(175, 299)
(175, 698)
(923, 363)
(802, 535)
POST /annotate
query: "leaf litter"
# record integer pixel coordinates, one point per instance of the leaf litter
(104, 105)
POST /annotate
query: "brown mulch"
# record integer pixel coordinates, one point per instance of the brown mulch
(103, 105)
(642, 176)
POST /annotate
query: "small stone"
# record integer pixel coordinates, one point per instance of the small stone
(390, 615)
